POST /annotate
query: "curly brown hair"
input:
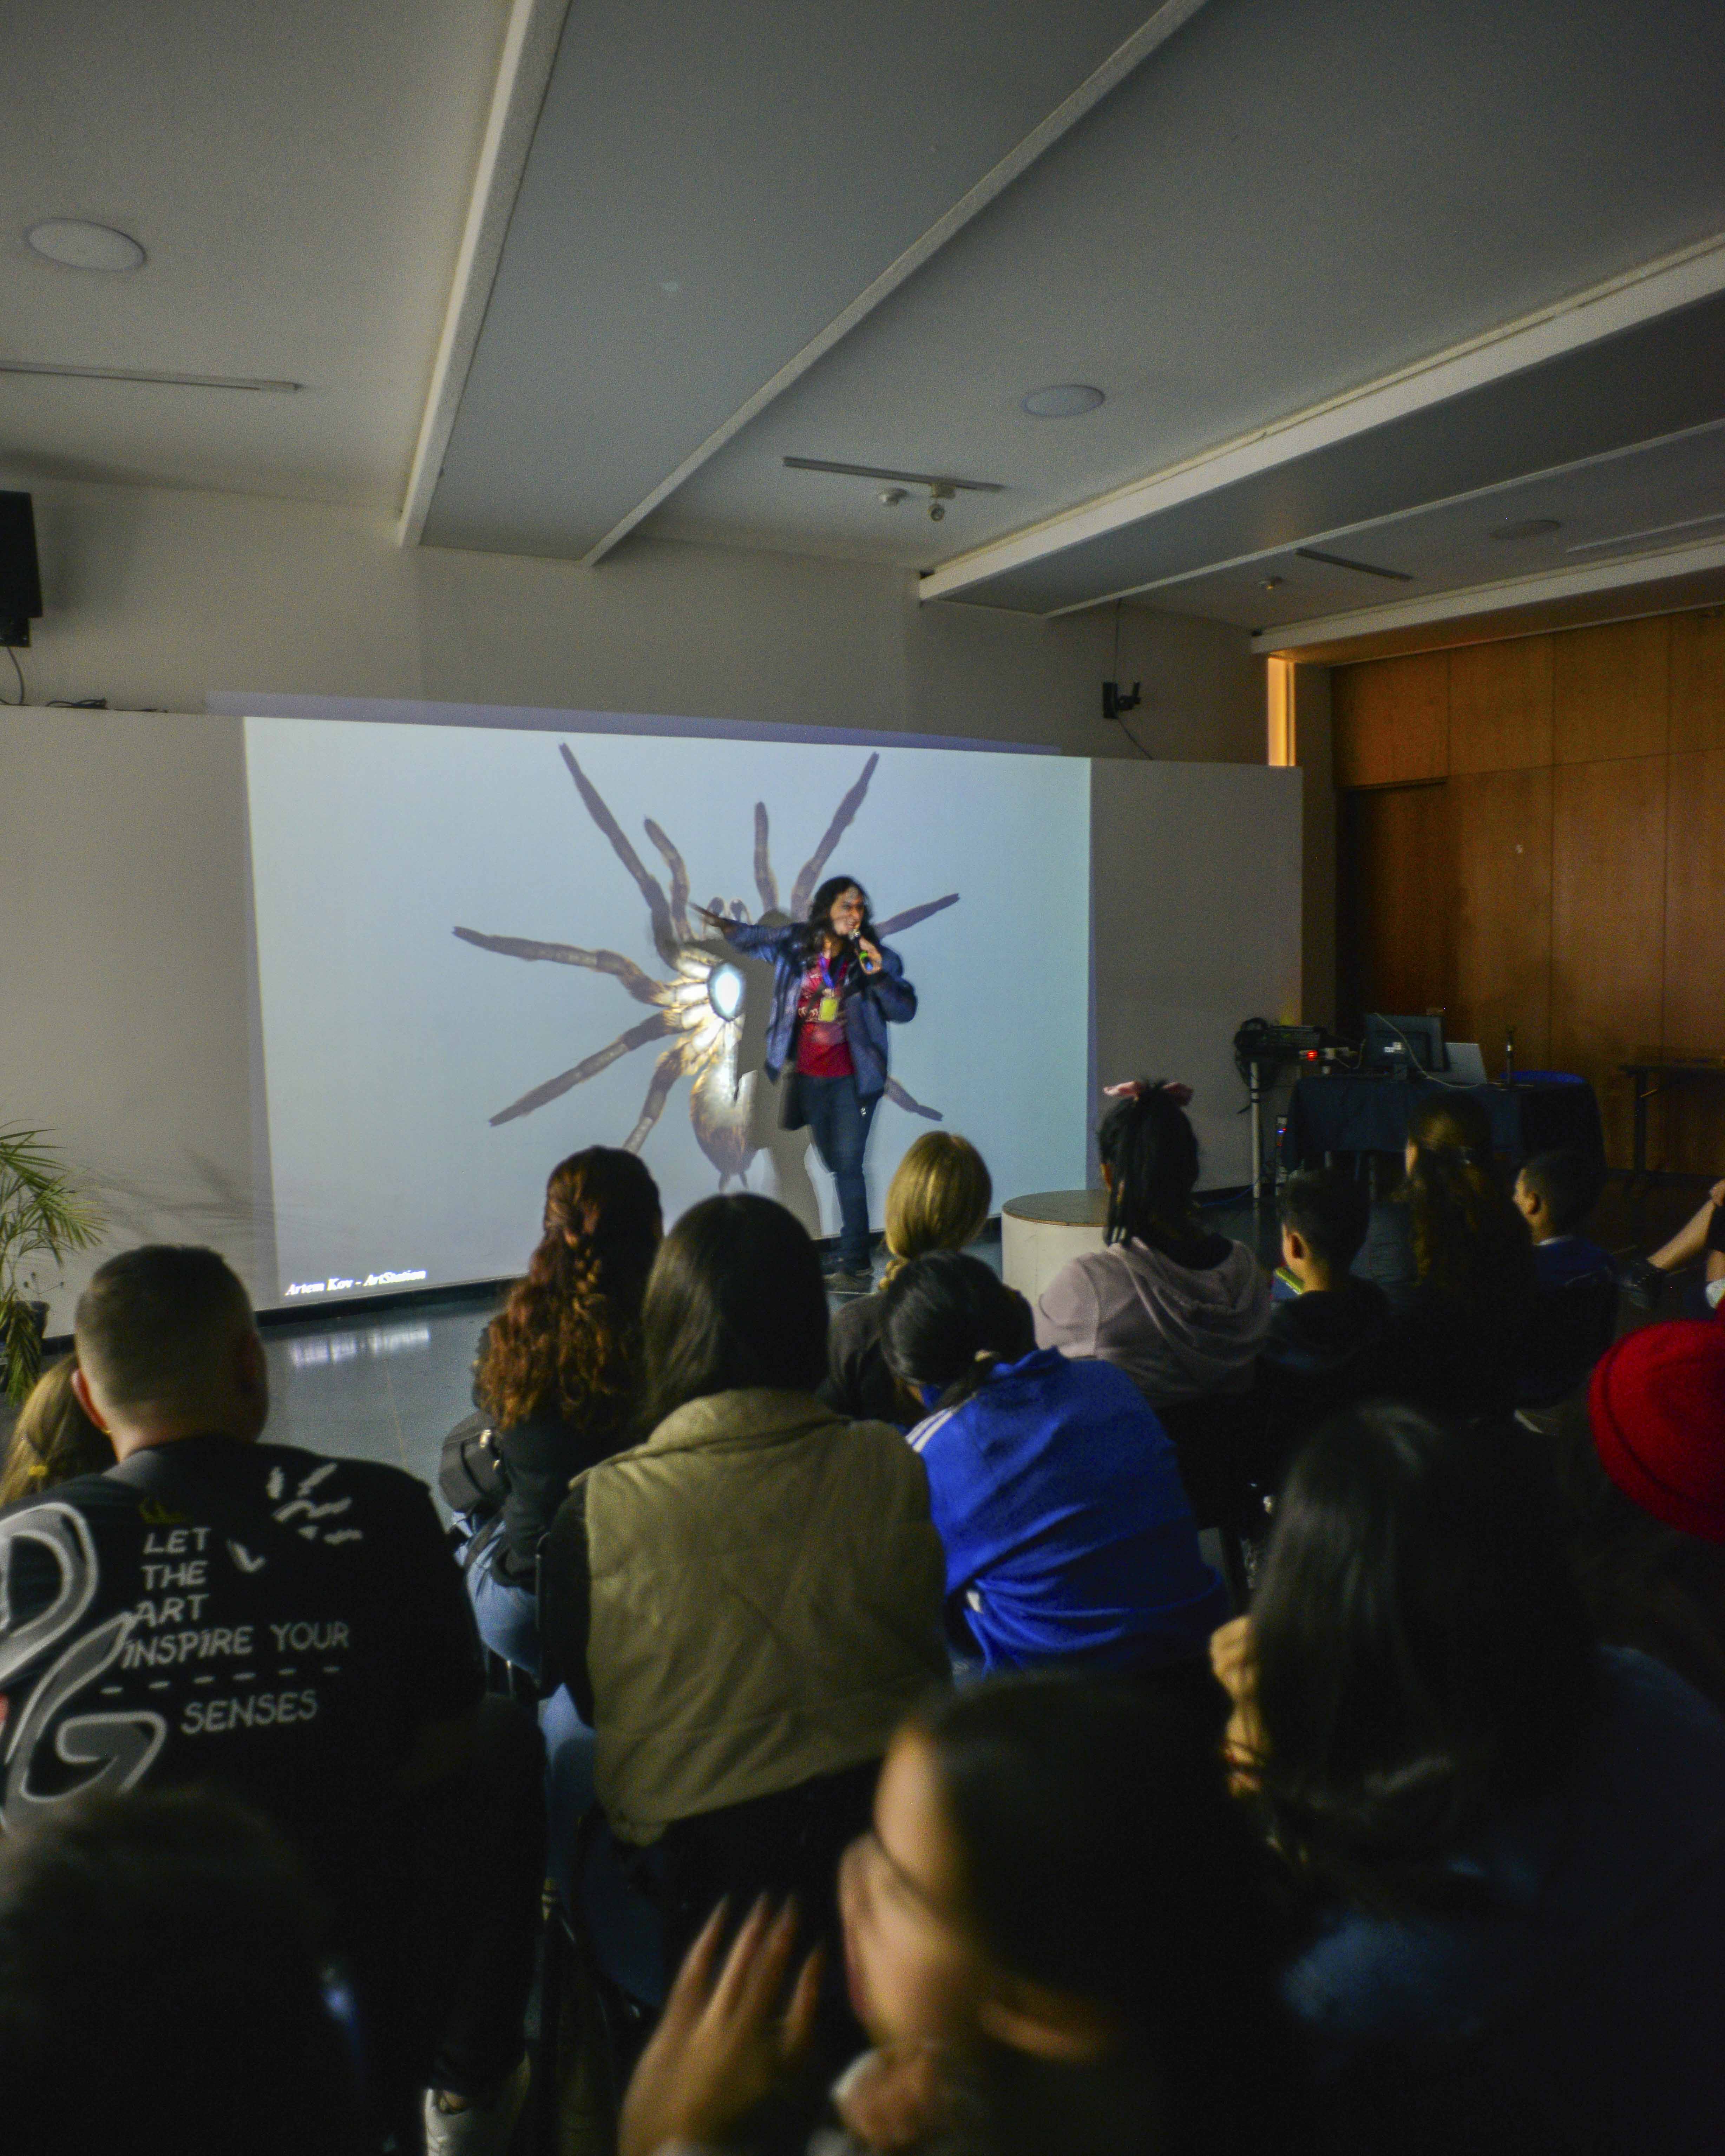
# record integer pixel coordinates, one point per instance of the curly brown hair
(567, 1342)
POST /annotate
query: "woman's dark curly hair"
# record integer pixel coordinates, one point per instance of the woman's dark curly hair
(568, 1340)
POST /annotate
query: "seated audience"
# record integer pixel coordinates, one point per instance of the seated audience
(1182, 1311)
(1324, 1348)
(938, 1199)
(160, 1987)
(1057, 1937)
(1455, 1260)
(558, 1375)
(1055, 1490)
(291, 1631)
(1702, 1236)
(1511, 1836)
(52, 1440)
(1644, 1474)
(1574, 1315)
(747, 1603)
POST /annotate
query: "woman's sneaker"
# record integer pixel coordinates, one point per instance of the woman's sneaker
(1642, 1283)
(842, 1281)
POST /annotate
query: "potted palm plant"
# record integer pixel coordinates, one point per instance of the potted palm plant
(41, 1216)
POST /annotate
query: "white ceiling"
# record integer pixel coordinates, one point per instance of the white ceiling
(862, 234)
(707, 189)
(298, 171)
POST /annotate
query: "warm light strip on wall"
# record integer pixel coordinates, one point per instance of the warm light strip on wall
(1279, 674)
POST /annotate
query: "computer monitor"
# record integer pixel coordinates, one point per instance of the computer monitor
(1405, 1044)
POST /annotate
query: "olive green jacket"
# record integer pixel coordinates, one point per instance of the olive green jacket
(751, 1598)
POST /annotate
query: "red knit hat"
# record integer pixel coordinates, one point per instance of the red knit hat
(1657, 1405)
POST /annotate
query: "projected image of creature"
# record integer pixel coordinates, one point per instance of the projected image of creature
(698, 1005)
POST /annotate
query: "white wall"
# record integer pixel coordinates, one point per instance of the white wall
(122, 868)
(154, 598)
(1195, 914)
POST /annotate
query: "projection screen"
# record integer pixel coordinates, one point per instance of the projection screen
(475, 955)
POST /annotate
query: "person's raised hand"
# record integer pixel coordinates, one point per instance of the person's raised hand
(1717, 1192)
(869, 955)
(722, 2044)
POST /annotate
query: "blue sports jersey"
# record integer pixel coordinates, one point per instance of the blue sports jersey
(1066, 1528)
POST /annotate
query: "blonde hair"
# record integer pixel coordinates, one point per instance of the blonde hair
(52, 1440)
(939, 1198)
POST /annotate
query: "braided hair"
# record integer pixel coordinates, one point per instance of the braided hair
(567, 1342)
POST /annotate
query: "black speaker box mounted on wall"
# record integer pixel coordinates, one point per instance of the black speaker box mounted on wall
(20, 579)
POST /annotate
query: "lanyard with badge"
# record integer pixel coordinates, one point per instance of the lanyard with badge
(826, 1008)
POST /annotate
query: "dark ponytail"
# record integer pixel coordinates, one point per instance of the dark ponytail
(948, 1320)
(1470, 1243)
(1147, 1145)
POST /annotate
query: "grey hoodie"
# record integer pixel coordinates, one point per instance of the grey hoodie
(1177, 1333)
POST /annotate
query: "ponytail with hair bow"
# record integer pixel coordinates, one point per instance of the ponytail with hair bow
(1139, 1089)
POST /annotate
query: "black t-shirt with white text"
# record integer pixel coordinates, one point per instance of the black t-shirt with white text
(252, 1617)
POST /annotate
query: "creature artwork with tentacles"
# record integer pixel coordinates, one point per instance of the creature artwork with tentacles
(698, 1005)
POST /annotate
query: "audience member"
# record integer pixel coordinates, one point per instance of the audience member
(1644, 1474)
(1324, 1348)
(52, 1440)
(938, 1199)
(160, 1987)
(1455, 1260)
(287, 1629)
(558, 1375)
(1575, 1314)
(1702, 1236)
(1055, 1490)
(1181, 1310)
(1057, 1937)
(745, 1604)
(1512, 1836)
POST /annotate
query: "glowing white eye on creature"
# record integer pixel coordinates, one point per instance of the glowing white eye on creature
(724, 990)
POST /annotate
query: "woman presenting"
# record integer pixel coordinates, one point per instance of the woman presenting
(835, 991)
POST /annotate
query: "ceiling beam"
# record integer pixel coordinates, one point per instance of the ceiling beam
(1638, 296)
(1480, 600)
(1155, 31)
(530, 48)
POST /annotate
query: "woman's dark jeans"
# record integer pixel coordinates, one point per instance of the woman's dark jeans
(838, 1119)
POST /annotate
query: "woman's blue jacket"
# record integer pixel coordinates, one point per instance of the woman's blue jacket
(881, 999)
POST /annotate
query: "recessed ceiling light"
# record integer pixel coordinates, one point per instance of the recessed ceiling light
(1062, 400)
(1530, 527)
(83, 246)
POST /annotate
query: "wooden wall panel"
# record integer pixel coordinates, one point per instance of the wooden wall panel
(1698, 680)
(1611, 690)
(1362, 718)
(1397, 930)
(1501, 704)
(1608, 926)
(1502, 826)
(1392, 720)
(1694, 1116)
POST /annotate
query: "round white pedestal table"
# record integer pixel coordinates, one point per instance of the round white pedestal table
(1038, 1234)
